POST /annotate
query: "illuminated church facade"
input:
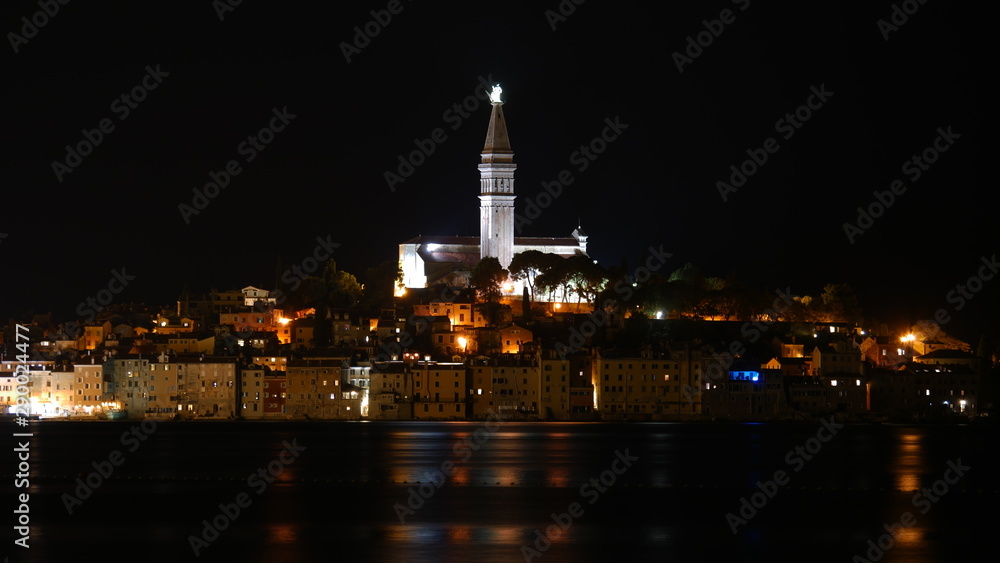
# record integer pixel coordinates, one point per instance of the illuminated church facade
(429, 260)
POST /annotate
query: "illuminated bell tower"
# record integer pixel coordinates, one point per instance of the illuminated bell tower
(496, 188)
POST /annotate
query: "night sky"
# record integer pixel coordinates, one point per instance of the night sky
(217, 81)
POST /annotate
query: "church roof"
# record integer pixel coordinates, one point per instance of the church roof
(546, 241)
(431, 239)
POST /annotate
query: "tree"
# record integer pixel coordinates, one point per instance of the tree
(690, 275)
(527, 265)
(334, 289)
(586, 277)
(488, 277)
(342, 288)
(526, 305)
(556, 277)
(689, 287)
(801, 310)
(381, 283)
(840, 303)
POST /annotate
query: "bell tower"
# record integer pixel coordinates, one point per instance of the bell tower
(496, 188)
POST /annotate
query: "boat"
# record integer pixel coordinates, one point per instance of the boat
(117, 414)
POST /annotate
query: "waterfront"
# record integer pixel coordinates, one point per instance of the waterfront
(352, 491)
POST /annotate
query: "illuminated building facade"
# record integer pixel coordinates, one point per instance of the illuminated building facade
(428, 260)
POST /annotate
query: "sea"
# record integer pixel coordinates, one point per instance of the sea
(499, 491)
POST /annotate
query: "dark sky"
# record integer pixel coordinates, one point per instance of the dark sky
(654, 185)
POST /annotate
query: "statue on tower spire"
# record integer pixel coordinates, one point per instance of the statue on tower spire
(495, 94)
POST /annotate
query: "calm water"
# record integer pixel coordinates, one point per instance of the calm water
(339, 493)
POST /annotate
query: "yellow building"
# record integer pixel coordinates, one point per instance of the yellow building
(252, 393)
(645, 386)
(439, 391)
(128, 383)
(314, 389)
(513, 338)
(164, 389)
(207, 387)
(506, 385)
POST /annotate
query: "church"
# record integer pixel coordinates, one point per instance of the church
(429, 260)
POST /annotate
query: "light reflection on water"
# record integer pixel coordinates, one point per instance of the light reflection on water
(476, 456)
(908, 461)
(335, 498)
